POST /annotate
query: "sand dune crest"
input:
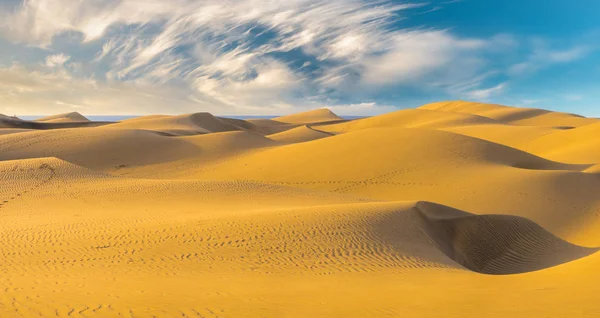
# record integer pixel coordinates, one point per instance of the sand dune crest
(64, 118)
(311, 116)
(513, 115)
(190, 124)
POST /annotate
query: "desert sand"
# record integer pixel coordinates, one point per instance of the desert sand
(452, 209)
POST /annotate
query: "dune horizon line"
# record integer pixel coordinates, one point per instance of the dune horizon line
(133, 115)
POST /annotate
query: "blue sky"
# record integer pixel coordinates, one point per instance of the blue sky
(258, 57)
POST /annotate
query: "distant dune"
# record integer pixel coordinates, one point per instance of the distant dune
(68, 120)
(468, 208)
(199, 123)
(313, 116)
(300, 134)
(512, 115)
(63, 118)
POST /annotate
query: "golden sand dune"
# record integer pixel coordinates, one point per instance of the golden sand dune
(64, 118)
(96, 148)
(481, 210)
(383, 153)
(410, 118)
(512, 115)
(593, 169)
(401, 164)
(6, 131)
(70, 120)
(119, 150)
(5, 117)
(309, 117)
(510, 135)
(198, 123)
(579, 145)
(299, 134)
(11, 122)
(285, 123)
(496, 244)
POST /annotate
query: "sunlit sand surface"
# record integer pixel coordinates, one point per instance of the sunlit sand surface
(454, 209)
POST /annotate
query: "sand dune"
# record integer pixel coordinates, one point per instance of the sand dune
(593, 169)
(52, 122)
(118, 150)
(101, 149)
(496, 244)
(5, 117)
(310, 117)
(510, 135)
(300, 134)
(6, 131)
(64, 118)
(513, 115)
(410, 118)
(383, 148)
(579, 145)
(192, 124)
(482, 210)
(402, 164)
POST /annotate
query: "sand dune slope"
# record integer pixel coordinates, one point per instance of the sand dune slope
(5, 117)
(400, 148)
(309, 117)
(579, 145)
(422, 164)
(7, 131)
(410, 118)
(64, 118)
(509, 135)
(55, 122)
(300, 134)
(496, 244)
(594, 169)
(192, 124)
(123, 151)
(96, 148)
(384, 151)
(513, 115)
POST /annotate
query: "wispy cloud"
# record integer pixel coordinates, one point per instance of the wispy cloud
(56, 60)
(543, 56)
(573, 97)
(237, 56)
(483, 94)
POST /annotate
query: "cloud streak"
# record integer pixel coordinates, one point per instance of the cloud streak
(233, 56)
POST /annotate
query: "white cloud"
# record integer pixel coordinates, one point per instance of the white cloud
(529, 101)
(38, 21)
(271, 84)
(56, 60)
(567, 55)
(414, 54)
(483, 94)
(542, 57)
(573, 97)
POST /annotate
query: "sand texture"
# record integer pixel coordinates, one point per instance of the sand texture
(453, 209)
